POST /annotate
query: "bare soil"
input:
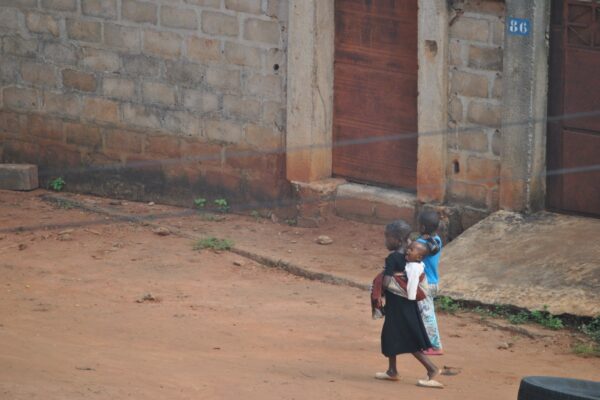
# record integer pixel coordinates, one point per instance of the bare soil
(76, 321)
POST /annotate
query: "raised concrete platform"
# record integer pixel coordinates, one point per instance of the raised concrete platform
(18, 177)
(373, 204)
(352, 201)
(316, 201)
(541, 260)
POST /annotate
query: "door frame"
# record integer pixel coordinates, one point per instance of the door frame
(559, 47)
(309, 138)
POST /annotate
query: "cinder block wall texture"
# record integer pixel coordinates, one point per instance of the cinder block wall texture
(475, 103)
(99, 90)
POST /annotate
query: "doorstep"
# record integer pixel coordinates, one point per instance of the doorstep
(374, 205)
(319, 200)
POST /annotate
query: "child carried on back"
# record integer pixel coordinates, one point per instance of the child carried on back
(403, 331)
(408, 282)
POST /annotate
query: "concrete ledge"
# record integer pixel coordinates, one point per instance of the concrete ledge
(325, 187)
(528, 261)
(315, 200)
(18, 177)
(374, 205)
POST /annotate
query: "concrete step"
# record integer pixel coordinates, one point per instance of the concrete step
(363, 203)
(374, 205)
(18, 177)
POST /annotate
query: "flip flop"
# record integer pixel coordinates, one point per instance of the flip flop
(430, 383)
(433, 352)
(385, 377)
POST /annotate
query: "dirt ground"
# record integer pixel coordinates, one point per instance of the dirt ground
(71, 326)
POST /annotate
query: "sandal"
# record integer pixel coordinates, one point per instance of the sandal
(385, 377)
(430, 383)
(433, 352)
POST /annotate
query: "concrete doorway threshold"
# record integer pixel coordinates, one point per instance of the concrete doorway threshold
(373, 204)
(531, 262)
(363, 203)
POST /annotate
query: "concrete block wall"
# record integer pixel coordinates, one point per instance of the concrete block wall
(475, 105)
(87, 86)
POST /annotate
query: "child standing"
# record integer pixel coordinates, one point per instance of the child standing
(429, 222)
(403, 330)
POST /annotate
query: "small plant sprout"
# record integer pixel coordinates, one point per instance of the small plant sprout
(222, 205)
(200, 202)
(57, 184)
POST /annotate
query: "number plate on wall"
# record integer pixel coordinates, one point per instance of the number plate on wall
(518, 26)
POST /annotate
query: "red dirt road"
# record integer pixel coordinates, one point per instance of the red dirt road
(70, 326)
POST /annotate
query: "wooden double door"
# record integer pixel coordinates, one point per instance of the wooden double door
(573, 156)
(375, 92)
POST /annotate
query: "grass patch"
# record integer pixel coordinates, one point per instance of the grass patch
(586, 349)
(546, 319)
(489, 311)
(518, 319)
(592, 329)
(519, 316)
(446, 304)
(213, 243)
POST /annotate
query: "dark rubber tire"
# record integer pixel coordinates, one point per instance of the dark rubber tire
(549, 388)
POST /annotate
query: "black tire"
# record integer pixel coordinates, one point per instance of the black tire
(548, 388)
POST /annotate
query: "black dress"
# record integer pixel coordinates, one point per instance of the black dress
(403, 329)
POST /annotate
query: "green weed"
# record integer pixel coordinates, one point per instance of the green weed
(446, 304)
(544, 318)
(213, 243)
(518, 319)
(592, 329)
(502, 310)
(200, 202)
(57, 184)
(486, 312)
(222, 205)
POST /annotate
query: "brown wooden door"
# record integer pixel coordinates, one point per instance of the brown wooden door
(573, 156)
(375, 91)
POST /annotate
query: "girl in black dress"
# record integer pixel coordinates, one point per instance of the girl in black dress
(403, 329)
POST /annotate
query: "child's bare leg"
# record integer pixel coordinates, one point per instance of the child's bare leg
(392, 371)
(432, 370)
